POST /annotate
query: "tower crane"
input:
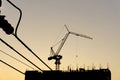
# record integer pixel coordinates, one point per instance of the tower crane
(55, 55)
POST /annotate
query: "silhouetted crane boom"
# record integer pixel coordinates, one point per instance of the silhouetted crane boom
(62, 43)
(81, 35)
(55, 55)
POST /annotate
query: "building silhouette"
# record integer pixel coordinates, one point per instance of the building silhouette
(80, 74)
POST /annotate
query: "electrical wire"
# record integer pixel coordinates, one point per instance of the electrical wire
(15, 35)
(19, 54)
(16, 59)
(12, 67)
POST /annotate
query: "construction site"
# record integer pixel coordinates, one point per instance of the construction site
(50, 74)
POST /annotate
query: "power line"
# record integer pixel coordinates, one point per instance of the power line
(12, 67)
(16, 59)
(19, 54)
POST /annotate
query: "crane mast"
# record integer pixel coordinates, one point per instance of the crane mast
(55, 55)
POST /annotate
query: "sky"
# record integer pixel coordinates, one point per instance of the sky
(42, 26)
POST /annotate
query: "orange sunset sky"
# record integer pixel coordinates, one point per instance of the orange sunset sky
(42, 26)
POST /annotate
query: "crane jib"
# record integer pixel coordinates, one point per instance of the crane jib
(55, 55)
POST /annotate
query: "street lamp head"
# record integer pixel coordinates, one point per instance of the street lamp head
(0, 3)
(5, 25)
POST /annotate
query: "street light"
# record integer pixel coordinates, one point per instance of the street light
(5, 25)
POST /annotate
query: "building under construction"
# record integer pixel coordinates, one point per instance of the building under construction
(78, 74)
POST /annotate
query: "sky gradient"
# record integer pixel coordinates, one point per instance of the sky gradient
(42, 26)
